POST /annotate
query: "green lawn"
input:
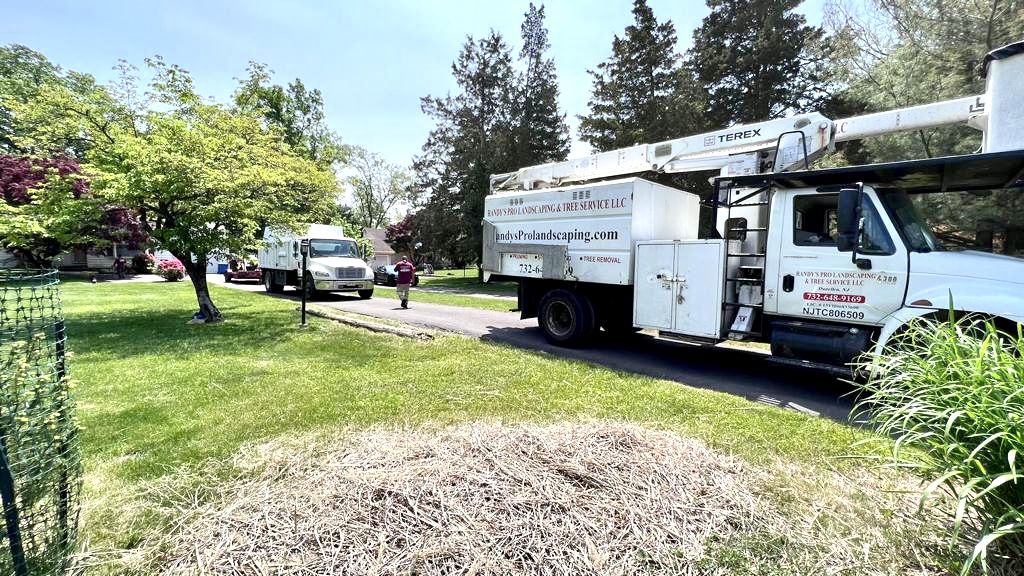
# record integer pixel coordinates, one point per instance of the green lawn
(159, 397)
(417, 295)
(455, 280)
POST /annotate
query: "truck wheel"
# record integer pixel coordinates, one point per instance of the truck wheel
(268, 282)
(366, 294)
(227, 279)
(566, 317)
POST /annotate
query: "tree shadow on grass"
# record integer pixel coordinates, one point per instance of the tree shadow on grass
(131, 332)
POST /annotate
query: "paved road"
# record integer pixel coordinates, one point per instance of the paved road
(738, 372)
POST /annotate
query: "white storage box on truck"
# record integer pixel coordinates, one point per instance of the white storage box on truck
(821, 264)
(334, 263)
(585, 234)
(593, 227)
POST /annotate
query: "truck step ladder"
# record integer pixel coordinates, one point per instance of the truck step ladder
(750, 273)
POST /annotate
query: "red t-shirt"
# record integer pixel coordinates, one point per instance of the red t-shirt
(405, 271)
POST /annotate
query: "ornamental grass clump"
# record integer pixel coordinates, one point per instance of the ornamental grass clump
(951, 393)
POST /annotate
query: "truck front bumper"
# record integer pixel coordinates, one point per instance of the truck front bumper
(343, 285)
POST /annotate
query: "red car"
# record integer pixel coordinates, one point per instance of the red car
(238, 270)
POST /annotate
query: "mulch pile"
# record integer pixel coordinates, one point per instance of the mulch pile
(478, 499)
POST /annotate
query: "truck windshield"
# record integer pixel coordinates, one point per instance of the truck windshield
(912, 226)
(342, 248)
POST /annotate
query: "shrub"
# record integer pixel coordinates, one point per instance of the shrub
(171, 270)
(144, 263)
(952, 395)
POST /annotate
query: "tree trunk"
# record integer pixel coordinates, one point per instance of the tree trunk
(984, 240)
(1014, 240)
(197, 273)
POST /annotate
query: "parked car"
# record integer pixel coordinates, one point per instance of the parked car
(239, 270)
(387, 276)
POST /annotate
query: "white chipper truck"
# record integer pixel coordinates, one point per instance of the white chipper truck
(822, 264)
(334, 263)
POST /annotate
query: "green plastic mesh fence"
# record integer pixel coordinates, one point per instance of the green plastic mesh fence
(40, 466)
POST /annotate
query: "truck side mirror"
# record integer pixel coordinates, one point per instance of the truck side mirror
(848, 219)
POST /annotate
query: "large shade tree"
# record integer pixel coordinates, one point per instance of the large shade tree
(378, 188)
(207, 179)
(295, 111)
(474, 137)
(757, 59)
(201, 178)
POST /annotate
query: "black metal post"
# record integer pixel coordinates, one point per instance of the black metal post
(11, 521)
(304, 252)
(63, 481)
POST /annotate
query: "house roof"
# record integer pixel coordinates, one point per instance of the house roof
(377, 236)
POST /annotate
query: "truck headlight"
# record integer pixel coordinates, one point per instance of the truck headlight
(320, 274)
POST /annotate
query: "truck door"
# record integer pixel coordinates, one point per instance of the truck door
(818, 281)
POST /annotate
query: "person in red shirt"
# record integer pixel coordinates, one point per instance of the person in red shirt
(405, 273)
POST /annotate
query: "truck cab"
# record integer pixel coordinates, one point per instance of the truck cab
(848, 260)
(334, 262)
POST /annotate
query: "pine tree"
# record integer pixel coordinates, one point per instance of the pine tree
(641, 93)
(542, 134)
(757, 60)
(474, 138)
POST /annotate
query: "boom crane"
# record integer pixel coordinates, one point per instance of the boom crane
(791, 143)
(822, 264)
(771, 146)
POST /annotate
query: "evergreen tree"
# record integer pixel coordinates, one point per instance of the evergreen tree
(757, 59)
(542, 135)
(641, 93)
(474, 138)
(298, 113)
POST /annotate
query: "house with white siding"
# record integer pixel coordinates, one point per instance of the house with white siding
(383, 253)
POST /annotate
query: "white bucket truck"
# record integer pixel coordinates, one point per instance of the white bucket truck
(334, 263)
(820, 264)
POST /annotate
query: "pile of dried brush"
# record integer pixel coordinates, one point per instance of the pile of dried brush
(476, 499)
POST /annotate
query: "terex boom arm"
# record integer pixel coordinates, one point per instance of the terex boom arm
(775, 145)
(790, 143)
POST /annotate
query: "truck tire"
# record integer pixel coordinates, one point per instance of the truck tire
(366, 294)
(268, 282)
(566, 317)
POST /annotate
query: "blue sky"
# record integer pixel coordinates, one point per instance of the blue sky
(372, 60)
